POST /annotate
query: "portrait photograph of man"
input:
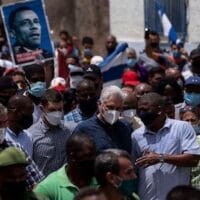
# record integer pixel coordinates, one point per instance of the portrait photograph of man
(27, 32)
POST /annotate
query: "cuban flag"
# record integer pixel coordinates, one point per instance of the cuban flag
(168, 29)
(113, 66)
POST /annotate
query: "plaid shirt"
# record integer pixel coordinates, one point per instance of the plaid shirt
(34, 176)
(75, 115)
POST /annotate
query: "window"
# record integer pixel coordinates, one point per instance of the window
(175, 10)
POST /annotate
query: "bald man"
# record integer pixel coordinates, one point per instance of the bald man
(141, 89)
(175, 74)
(129, 110)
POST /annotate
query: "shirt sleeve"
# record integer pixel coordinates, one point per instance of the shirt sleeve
(45, 189)
(189, 142)
(135, 153)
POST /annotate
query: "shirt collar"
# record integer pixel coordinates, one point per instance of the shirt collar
(10, 132)
(65, 182)
(166, 125)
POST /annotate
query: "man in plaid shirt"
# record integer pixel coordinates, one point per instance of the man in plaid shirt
(34, 175)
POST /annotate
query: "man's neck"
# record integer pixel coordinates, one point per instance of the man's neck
(14, 129)
(158, 124)
(76, 178)
(112, 193)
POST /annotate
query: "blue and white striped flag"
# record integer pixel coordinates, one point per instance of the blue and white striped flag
(168, 29)
(113, 66)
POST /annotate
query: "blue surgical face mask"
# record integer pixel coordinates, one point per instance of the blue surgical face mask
(192, 99)
(37, 89)
(176, 54)
(131, 62)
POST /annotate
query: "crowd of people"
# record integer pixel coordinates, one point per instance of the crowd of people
(66, 136)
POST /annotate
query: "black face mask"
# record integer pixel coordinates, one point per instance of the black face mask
(147, 117)
(88, 106)
(86, 167)
(154, 44)
(26, 121)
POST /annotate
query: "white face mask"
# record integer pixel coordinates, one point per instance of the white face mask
(2, 134)
(54, 118)
(129, 114)
(74, 80)
(111, 116)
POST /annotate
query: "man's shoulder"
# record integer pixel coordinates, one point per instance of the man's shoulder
(52, 180)
(139, 132)
(73, 115)
(178, 123)
(88, 122)
(35, 128)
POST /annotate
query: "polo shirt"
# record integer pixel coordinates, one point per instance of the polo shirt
(105, 135)
(174, 138)
(57, 186)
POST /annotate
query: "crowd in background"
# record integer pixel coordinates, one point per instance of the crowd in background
(65, 136)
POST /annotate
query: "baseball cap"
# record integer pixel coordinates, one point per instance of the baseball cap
(58, 84)
(96, 60)
(92, 71)
(193, 80)
(12, 156)
(130, 78)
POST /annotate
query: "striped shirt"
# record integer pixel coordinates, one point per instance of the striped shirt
(48, 146)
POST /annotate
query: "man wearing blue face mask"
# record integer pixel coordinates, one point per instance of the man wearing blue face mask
(192, 91)
(131, 57)
(36, 77)
(49, 135)
(115, 174)
(164, 150)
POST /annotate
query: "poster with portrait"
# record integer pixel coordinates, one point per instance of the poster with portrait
(27, 31)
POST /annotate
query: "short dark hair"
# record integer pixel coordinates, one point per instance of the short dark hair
(108, 161)
(184, 192)
(51, 95)
(87, 192)
(156, 70)
(76, 142)
(14, 13)
(154, 98)
(150, 32)
(64, 32)
(87, 40)
(30, 70)
(160, 88)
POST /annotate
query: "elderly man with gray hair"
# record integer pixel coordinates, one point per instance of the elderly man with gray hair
(105, 128)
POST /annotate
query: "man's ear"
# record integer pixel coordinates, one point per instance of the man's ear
(111, 178)
(99, 103)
